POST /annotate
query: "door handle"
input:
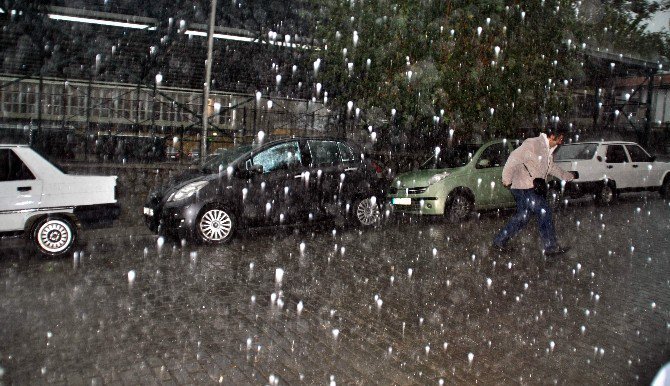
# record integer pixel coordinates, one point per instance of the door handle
(297, 176)
(24, 188)
(635, 166)
(350, 169)
(610, 166)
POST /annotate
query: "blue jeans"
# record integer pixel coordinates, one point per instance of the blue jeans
(527, 203)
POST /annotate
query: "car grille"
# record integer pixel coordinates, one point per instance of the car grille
(417, 190)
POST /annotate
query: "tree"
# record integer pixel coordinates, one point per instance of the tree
(486, 68)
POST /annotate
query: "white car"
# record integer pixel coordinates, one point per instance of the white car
(605, 168)
(48, 206)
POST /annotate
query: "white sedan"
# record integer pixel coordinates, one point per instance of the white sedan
(41, 202)
(605, 168)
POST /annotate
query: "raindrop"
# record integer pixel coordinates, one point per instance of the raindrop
(131, 276)
(471, 357)
(279, 275)
(336, 333)
(299, 307)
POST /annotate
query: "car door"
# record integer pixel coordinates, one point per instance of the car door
(488, 188)
(617, 166)
(355, 175)
(20, 191)
(643, 171)
(276, 194)
(324, 184)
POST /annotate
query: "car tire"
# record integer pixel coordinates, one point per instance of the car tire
(215, 225)
(606, 194)
(54, 235)
(367, 212)
(459, 207)
(665, 188)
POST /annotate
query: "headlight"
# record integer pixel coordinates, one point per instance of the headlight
(437, 178)
(187, 191)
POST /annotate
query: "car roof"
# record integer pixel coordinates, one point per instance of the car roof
(602, 143)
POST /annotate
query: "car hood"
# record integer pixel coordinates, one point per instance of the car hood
(420, 178)
(178, 182)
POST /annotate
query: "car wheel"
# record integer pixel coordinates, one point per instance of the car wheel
(665, 188)
(459, 208)
(606, 194)
(367, 211)
(54, 236)
(554, 197)
(215, 225)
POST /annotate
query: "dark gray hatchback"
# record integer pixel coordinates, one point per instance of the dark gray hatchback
(288, 181)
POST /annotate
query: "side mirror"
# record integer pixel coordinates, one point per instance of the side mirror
(653, 158)
(483, 163)
(599, 158)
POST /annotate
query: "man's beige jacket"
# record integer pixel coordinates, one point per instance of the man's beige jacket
(535, 154)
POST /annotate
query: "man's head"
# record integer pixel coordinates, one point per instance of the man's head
(556, 135)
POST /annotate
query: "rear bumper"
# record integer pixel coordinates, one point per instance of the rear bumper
(97, 216)
(578, 188)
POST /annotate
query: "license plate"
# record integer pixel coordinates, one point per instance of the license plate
(401, 201)
(148, 211)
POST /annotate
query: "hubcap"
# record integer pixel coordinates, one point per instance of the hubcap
(368, 212)
(54, 236)
(460, 207)
(215, 225)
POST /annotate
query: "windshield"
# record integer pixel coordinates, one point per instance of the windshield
(453, 157)
(223, 157)
(575, 151)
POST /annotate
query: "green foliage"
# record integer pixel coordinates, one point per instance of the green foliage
(485, 68)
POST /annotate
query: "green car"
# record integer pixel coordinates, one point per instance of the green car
(455, 182)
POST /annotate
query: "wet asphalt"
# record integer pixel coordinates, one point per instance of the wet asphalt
(410, 302)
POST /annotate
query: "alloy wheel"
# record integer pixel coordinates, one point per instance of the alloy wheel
(367, 211)
(215, 225)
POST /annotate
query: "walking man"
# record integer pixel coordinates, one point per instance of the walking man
(533, 159)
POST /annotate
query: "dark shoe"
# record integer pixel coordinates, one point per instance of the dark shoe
(556, 251)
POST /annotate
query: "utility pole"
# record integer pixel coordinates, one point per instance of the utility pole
(208, 81)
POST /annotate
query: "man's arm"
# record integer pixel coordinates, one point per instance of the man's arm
(556, 171)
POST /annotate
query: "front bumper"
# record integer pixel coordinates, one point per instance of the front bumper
(422, 202)
(175, 220)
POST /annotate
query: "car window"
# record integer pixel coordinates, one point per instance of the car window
(616, 154)
(579, 151)
(324, 153)
(346, 153)
(637, 154)
(451, 157)
(282, 156)
(493, 156)
(12, 168)
(223, 157)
